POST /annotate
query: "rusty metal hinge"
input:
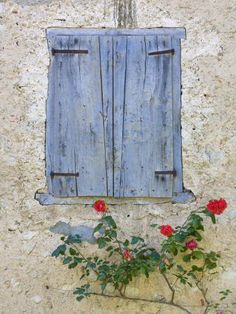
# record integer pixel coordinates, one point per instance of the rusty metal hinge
(162, 52)
(159, 173)
(54, 51)
(64, 174)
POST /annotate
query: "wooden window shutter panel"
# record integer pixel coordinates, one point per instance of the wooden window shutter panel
(78, 147)
(143, 124)
(114, 115)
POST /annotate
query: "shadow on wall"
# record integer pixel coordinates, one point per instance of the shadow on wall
(124, 10)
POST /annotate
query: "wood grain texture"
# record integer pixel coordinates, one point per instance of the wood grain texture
(143, 123)
(177, 143)
(76, 128)
(177, 32)
(114, 114)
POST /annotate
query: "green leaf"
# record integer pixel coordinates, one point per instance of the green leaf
(180, 237)
(126, 243)
(67, 260)
(162, 267)
(155, 256)
(197, 255)
(72, 251)
(196, 268)
(78, 260)
(154, 225)
(101, 243)
(60, 250)
(180, 268)
(187, 258)
(110, 221)
(113, 234)
(135, 240)
(211, 215)
(98, 227)
(80, 298)
(73, 239)
(211, 265)
(73, 265)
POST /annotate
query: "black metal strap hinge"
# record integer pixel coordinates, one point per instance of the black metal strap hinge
(157, 53)
(55, 51)
(171, 172)
(64, 174)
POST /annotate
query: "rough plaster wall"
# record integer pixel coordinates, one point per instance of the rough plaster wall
(31, 281)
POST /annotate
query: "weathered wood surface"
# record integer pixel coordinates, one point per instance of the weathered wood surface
(76, 124)
(143, 107)
(113, 115)
(177, 32)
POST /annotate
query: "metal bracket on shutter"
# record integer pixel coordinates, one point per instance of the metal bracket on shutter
(172, 172)
(162, 52)
(64, 174)
(54, 51)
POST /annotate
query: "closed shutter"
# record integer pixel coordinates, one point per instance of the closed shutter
(79, 123)
(113, 113)
(143, 125)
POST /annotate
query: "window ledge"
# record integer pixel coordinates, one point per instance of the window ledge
(45, 198)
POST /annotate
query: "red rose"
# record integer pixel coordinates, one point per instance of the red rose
(192, 244)
(217, 206)
(127, 255)
(100, 206)
(219, 312)
(166, 230)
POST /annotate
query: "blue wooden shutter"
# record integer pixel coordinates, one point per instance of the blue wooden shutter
(143, 125)
(79, 110)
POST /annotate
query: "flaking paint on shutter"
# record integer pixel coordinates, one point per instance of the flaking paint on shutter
(79, 144)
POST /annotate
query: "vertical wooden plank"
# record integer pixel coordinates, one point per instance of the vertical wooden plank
(164, 149)
(119, 94)
(177, 145)
(106, 72)
(143, 134)
(60, 155)
(76, 123)
(134, 129)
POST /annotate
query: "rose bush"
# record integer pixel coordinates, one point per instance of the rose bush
(179, 256)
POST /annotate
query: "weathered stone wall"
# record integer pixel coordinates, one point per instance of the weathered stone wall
(31, 281)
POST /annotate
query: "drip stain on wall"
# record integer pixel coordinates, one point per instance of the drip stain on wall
(125, 13)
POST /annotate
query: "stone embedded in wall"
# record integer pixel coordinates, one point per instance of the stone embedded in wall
(85, 232)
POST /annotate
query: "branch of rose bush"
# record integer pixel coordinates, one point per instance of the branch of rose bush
(137, 258)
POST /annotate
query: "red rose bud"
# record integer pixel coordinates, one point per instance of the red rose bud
(219, 312)
(127, 255)
(166, 230)
(100, 206)
(192, 244)
(217, 206)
